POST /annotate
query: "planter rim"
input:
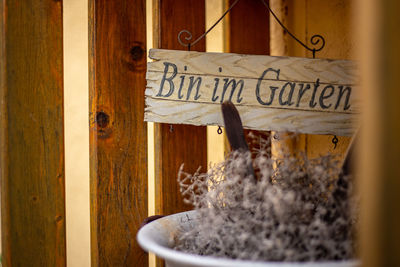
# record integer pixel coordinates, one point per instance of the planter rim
(151, 236)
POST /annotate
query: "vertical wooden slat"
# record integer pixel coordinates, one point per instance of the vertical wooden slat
(380, 169)
(32, 137)
(249, 34)
(184, 144)
(249, 28)
(118, 135)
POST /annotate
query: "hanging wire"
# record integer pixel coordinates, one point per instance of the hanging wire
(190, 36)
(315, 39)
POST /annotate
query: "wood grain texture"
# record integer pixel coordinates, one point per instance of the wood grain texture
(257, 118)
(299, 69)
(317, 88)
(184, 144)
(32, 134)
(249, 28)
(118, 135)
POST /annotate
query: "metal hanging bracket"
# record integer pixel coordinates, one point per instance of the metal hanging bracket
(316, 40)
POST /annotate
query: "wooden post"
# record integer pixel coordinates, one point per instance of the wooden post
(379, 170)
(118, 135)
(249, 28)
(181, 143)
(32, 133)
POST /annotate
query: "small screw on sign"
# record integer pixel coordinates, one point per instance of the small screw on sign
(335, 140)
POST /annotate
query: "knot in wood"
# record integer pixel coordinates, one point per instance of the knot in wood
(136, 52)
(102, 119)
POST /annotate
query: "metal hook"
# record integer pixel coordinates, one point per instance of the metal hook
(335, 141)
(171, 128)
(189, 37)
(219, 131)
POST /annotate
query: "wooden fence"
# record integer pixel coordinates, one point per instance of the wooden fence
(32, 132)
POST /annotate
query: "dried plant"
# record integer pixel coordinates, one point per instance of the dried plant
(296, 209)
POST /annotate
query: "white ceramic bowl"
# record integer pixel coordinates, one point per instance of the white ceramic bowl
(157, 237)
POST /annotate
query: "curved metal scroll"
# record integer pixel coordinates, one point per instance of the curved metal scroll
(189, 34)
(315, 39)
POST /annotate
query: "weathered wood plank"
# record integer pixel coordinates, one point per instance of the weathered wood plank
(32, 134)
(185, 143)
(186, 87)
(256, 118)
(289, 94)
(118, 135)
(299, 69)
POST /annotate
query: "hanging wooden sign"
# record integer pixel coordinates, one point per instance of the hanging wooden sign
(271, 93)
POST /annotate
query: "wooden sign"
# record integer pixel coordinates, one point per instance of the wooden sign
(304, 95)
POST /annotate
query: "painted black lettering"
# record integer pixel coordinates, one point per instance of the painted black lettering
(322, 97)
(191, 84)
(234, 86)
(273, 89)
(169, 79)
(288, 102)
(301, 92)
(180, 95)
(214, 96)
(312, 102)
(341, 92)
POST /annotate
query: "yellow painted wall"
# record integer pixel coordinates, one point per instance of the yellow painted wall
(215, 42)
(76, 132)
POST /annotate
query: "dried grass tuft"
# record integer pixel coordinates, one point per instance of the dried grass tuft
(295, 210)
